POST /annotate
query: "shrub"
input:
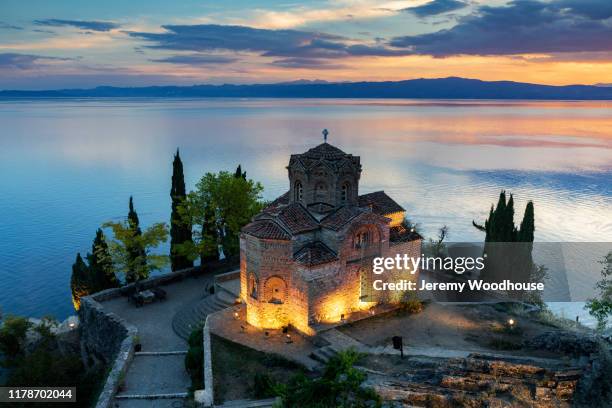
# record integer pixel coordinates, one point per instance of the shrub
(12, 336)
(411, 305)
(339, 386)
(264, 386)
(194, 360)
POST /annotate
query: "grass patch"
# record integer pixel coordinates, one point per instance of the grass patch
(243, 373)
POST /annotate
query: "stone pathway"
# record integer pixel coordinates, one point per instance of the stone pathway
(157, 375)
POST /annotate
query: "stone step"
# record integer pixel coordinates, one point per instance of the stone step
(191, 316)
(248, 403)
(328, 351)
(173, 395)
(160, 353)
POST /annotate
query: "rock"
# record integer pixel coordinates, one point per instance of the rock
(565, 342)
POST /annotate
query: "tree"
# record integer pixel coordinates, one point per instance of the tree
(131, 247)
(437, 246)
(239, 173)
(79, 281)
(94, 275)
(101, 270)
(136, 254)
(180, 232)
(508, 248)
(601, 306)
(218, 208)
(527, 225)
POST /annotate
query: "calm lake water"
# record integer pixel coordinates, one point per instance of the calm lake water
(68, 166)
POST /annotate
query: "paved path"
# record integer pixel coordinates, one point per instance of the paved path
(157, 376)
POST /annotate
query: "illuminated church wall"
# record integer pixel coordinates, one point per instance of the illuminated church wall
(306, 259)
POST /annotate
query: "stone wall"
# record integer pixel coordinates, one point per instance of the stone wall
(108, 338)
(267, 262)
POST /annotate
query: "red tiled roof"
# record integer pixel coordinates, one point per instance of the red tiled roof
(314, 254)
(266, 229)
(325, 151)
(380, 203)
(278, 202)
(340, 217)
(297, 219)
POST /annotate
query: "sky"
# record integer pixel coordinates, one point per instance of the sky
(76, 44)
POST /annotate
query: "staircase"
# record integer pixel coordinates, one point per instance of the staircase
(265, 403)
(336, 342)
(192, 316)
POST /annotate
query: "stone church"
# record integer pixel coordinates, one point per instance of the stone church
(306, 259)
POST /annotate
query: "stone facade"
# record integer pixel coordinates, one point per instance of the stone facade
(306, 259)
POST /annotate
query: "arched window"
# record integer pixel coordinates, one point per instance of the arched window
(252, 287)
(298, 191)
(362, 239)
(345, 192)
(276, 290)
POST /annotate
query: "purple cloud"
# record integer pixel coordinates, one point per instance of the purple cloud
(520, 27)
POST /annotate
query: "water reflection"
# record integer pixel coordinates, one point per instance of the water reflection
(68, 166)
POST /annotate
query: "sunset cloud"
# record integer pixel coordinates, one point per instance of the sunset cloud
(83, 25)
(544, 41)
(521, 27)
(436, 7)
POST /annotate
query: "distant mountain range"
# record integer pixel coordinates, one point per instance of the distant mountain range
(441, 88)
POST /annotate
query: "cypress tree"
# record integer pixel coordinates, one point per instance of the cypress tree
(102, 273)
(179, 232)
(136, 253)
(526, 233)
(239, 173)
(79, 281)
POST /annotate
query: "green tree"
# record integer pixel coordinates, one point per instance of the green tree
(239, 173)
(508, 248)
(94, 275)
(135, 252)
(601, 306)
(220, 206)
(80, 283)
(180, 232)
(526, 233)
(101, 269)
(131, 247)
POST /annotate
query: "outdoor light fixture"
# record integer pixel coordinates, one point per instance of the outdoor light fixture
(511, 322)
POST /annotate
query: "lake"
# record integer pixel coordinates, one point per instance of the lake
(67, 166)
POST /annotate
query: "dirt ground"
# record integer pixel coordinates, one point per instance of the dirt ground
(474, 328)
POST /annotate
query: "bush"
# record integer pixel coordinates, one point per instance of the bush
(340, 386)
(46, 365)
(194, 360)
(410, 306)
(12, 338)
(264, 386)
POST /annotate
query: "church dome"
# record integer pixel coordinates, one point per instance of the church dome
(325, 151)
